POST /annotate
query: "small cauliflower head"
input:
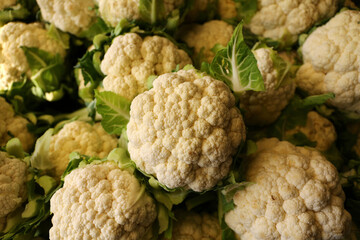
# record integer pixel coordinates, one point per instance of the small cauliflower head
(185, 130)
(285, 19)
(317, 129)
(13, 174)
(263, 108)
(7, 3)
(101, 201)
(16, 125)
(204, 37)
(195, 226)
(13, 62)
(227, 9)
(73, 16)
(112, 11)
(296, 195)
(331, 62)
(131, 60)
(82, 137)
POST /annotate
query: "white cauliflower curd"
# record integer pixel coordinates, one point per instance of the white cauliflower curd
(13, 62)
(131, 60)
(332, 63)
(13, 174)
(296, 195)
(103, 202)
(16, 125)
(185, 130)
(82, 137)
(73, 16)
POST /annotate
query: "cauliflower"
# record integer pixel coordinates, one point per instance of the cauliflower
(204, 37)
(286, 19)
(331, 62)
(296, 195)
(13, 174)
(112, 11)
(227, 9)
(263, 108)
(101, 201)
(317, 129)
(185, 130)
(7, 3)
(195, 226)
(73, 16)
(82, 137)
(130, 60)
(13, 62)
(15, 125)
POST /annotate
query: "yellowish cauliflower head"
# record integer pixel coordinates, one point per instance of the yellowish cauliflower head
(82, 137)
(16, 125)
(331, 62)
(227, 9)
(185, 130)
(263, 108)
(130, 60)
(7, 3)
(296, 195)
(112, 11)
(195, 226)
(288, 18)
(13, 62)
(317, 129)
(73, 16)
(206, 36)
(101, 202)
(13, 174)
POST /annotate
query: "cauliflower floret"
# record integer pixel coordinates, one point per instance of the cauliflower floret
(331, 62)
(112, 11)
(13, 62)
(82, 137)
(195, 226)
(73, 16)
(297, 195)
(185, 130)
(317, 129)
(227, 9)
(13, 174)
(7, 3)
(130, 60)
(287, 19)
(101, 202)
(16, 125)
(206, 36)
(263, 108)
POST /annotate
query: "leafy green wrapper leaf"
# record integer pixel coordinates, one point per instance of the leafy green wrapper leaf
(246, 9)
(152, 11)
(60, 36)
(236, 65)
(115, 111)
(98, 27)
(224, 207)
(40, 157)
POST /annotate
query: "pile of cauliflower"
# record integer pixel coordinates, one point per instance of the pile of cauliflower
(179, 119)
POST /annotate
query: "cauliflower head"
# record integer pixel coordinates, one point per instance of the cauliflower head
(101, 202)
(13, 62)
(286, 19)
(263, 108)
(185, 130)
(131, 60)
(112, 11)
(73, 16)
(16, 125)
(317, 129)
(7, 3)
(296, 195)
(227, 9)
(82, 137)
(196, 226)
(331, 62)
(204, 37)
(13, 173)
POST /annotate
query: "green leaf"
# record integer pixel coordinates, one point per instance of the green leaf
(13, 13)
(246, 9)
(152, 11)
(224, 207)
(115, 111)
(230, 190)
(89, 72)
(14, 148)
(60, 36)
(96, 28)
(236, 65)
(40, 157)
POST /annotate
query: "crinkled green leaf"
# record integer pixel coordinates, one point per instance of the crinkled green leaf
(236, 65)
(40, 157)
(246, 9)
(152, 11)
(98, 27)
(115, 111)
(60, 36)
